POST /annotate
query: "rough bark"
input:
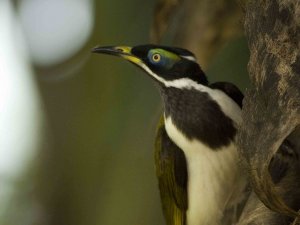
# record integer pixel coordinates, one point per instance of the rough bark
(271, 109)
(284, 169)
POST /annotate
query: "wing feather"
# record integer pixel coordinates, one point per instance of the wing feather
(171, 171)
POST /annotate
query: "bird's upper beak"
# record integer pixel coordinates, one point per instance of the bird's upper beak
(122, 51)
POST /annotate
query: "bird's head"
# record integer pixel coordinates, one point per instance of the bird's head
(166, 65)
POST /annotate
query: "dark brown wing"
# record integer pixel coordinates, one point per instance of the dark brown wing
(171, 171)
(231, 90)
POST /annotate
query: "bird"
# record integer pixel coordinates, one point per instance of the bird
(196, 158)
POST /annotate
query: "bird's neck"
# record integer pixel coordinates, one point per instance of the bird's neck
(198, 116)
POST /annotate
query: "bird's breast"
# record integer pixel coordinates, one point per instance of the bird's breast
(211, 176)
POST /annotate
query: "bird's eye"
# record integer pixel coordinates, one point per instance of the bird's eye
(156, 57)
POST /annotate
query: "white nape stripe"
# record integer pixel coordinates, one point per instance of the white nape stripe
(228, 105)
(189, 57)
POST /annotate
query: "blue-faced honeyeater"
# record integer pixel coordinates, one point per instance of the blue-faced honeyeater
(195, 152)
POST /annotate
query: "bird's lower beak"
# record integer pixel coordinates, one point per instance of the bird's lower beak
(122, 51)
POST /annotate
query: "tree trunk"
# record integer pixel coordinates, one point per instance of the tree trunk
(271, 108)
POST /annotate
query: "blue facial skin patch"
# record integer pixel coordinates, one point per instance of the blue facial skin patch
(162, 58)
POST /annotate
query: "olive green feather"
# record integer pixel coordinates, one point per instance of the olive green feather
(171, 171)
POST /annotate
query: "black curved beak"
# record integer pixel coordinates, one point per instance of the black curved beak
(113, 50)
(123, 51)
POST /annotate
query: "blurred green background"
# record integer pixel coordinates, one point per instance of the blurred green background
(93, 162)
